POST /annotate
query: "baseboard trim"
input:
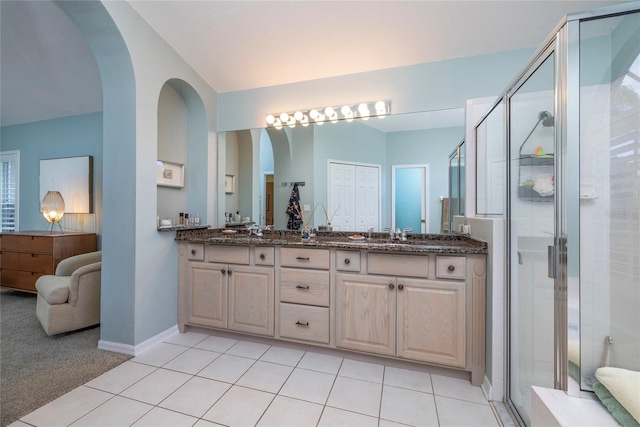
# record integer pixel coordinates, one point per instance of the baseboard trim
(140, 348)
(486, 388)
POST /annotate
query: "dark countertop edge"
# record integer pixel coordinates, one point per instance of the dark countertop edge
(286, 238)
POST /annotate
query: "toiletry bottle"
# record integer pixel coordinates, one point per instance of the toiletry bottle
(181, 218)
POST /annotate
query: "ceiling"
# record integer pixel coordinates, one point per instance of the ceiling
(47, 69)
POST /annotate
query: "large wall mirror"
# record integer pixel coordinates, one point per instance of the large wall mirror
(378, 173)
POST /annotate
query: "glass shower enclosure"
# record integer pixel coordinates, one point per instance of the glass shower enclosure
(569, 126)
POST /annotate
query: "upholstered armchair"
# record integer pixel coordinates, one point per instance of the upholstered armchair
(70, 299)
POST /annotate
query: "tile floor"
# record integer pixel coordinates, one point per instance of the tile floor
(195, 379)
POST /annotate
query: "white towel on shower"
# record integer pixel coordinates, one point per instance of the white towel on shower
(624, 385)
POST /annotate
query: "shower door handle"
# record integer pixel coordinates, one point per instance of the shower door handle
(551, 261)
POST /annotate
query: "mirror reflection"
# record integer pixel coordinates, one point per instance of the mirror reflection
(351, 176)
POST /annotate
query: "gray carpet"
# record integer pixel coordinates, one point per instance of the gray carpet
(36, 368)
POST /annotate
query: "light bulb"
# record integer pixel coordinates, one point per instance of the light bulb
(314, 114)
(284, 117)
(329, 111)
(53, 214)
(277, 124)
(298, 115)
(346, 111)
(270, 119)
(304, 121)
(363, 109)
(320, 119)
(291, 122)
(381, 107)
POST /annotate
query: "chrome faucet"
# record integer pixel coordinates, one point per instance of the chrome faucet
(370, 230)
(398, 234)
(257, 230)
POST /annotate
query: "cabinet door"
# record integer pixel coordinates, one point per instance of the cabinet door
(207, 294)
(431, 321)
(365, 313)
(251, 299)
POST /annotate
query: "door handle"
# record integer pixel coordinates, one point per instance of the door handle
(551, 262)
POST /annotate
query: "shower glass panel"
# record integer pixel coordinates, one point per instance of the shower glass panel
(531, 231)
(490, 163)
(609, 305)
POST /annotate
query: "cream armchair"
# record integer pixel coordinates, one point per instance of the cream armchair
(70, 299)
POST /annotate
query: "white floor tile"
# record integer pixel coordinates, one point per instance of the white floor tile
(354, 395)
(217, 344)
(282, 356)
(18, 424)
(188, 339)
(159, 417)
(196, 396)
(457, 389)
(388, 423)
(408, 407)
(308, 385)
(227, 368)
(362, 370)
(320, 362)
(332, 417)
(265, 376)
(458, 413)
(67, 408)
(205, 423)
(156, 386)
(192, 361)
(118, 411)
(287, 412)
(248, 349)
(239, 407)
(121, 377)
(159, 354)
(404, 378)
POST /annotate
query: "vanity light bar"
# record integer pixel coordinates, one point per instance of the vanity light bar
(363, 110)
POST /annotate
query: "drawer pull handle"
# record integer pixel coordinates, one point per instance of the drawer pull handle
(391, 286)
(223, 271)
(400, 287)
(347, 261)
(302, 258)
(305, 324)
(193, 251)
(451, 268)
(262, 257)
(302, 286)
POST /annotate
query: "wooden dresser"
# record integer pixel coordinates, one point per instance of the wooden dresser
(27, 255)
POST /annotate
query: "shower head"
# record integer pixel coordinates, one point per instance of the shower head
(546, 118)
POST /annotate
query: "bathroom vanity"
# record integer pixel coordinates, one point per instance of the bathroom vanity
(421, 300)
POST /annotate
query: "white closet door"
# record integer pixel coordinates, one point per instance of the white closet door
(342, 204)
(367, 197)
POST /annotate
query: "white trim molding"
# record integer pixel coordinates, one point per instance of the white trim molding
(135, 350)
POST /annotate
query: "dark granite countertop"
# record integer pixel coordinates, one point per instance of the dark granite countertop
(379, 242)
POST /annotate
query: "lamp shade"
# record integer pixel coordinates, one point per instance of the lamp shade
(53, 206)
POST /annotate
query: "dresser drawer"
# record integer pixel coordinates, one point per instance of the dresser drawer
(398, 265)
(23, 243)
(37, 263)
(16, 279)
(304, 322)
(451, 267)
(227, 254)
(306, 258)
(195, 252)
(304, 286)
(348, 260)
(264, 255)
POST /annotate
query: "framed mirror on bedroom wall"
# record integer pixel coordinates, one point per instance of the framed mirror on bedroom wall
(382, 172)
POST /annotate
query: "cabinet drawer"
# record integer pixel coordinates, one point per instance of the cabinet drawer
(304, 322)
(23, 280)
(348, 260)
(37, 263)
(450, 267)
(304, 286)
(307, 258)
(264, 256)
(37, 244)
(195, 252)
(227, 254)
(398, 265)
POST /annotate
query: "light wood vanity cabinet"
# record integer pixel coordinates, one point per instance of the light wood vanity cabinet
(232, 295)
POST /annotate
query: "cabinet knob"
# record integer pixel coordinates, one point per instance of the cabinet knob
(262, 256)
(391, 286)
(451, 268)
(347, 261)
(299, 323)
(193, 251)
(229, 272)
(400, 287)
(223, 271)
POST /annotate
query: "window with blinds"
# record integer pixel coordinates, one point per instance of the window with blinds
(9, 181)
